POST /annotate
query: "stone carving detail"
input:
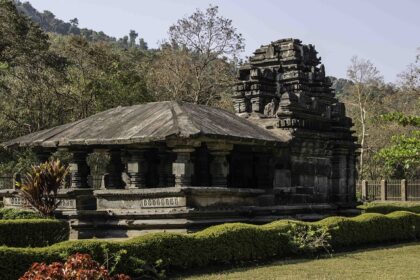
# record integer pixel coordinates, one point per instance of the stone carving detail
(270, 109)
(137, 168)
(159, 202)
(67, 203)
(183, 167)
(79, 170)
(287, 67)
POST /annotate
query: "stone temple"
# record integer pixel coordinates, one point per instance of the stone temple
(288, 152)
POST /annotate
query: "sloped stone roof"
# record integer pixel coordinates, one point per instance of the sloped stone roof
(149, 122)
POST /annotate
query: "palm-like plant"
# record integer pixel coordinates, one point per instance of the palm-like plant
(41, 185)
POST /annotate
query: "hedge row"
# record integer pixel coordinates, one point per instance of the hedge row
(389, 207)
(32, 232)
(223, 244)
(13, 214)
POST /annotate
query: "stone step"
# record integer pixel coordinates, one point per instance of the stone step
(301, 198)
(304, 190)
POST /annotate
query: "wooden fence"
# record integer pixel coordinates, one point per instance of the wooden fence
(390, 190)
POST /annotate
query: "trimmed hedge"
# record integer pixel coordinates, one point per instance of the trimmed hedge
(223, 244)
(13, 214)
(32, 232)
(389, 207)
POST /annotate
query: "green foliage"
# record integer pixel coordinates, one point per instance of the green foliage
(16, 161)
(308, 239)
(16, 214)
(32, 232)
(389, 207)
(372, 228)
(223, 244)
(29, 85)
(402, 119)
(48, 79)
(402, 157)
(41, 186)
(100, 76)
(49, 23)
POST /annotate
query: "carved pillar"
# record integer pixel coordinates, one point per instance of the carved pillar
(183, 168)
(79, 169)
(219, 166)
(137, 168)
(114, 170)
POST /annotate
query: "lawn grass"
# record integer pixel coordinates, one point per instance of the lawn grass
(392, 262)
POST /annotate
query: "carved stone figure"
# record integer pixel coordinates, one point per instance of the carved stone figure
(270, 108)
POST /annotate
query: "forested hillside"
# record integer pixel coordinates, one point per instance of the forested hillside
(49, 23)
(53, 72)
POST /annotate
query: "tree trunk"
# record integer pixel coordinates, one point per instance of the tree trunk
(362, 140)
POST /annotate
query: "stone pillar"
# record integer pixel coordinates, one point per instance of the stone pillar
(219, 166)
(404, 190)
(183, 168)
(79, 169)
(364, 190)
(383, 190)
(137, 168)
(114, 170)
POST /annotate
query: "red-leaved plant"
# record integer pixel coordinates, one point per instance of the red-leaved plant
(77, 267)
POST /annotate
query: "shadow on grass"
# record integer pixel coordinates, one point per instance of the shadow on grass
(348, 253)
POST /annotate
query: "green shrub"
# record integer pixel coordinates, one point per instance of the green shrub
(372, 228)
(389, 207)
(32, 232)
(222, 244)
(309, 239)
(13, 214)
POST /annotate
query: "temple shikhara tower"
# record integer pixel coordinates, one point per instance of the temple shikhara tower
(288, 151)
(284, 89)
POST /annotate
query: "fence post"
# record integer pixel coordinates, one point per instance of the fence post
(364, 189)
(404, 190)
(383, 190)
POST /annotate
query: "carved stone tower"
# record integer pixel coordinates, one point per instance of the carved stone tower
(283, 88)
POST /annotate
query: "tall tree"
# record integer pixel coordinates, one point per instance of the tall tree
(133, 36)
(30, 77)
(366, 79)
(198, 62)
(143, 44)
(100, 76)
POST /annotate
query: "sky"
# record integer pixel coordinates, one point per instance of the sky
(387, 32)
